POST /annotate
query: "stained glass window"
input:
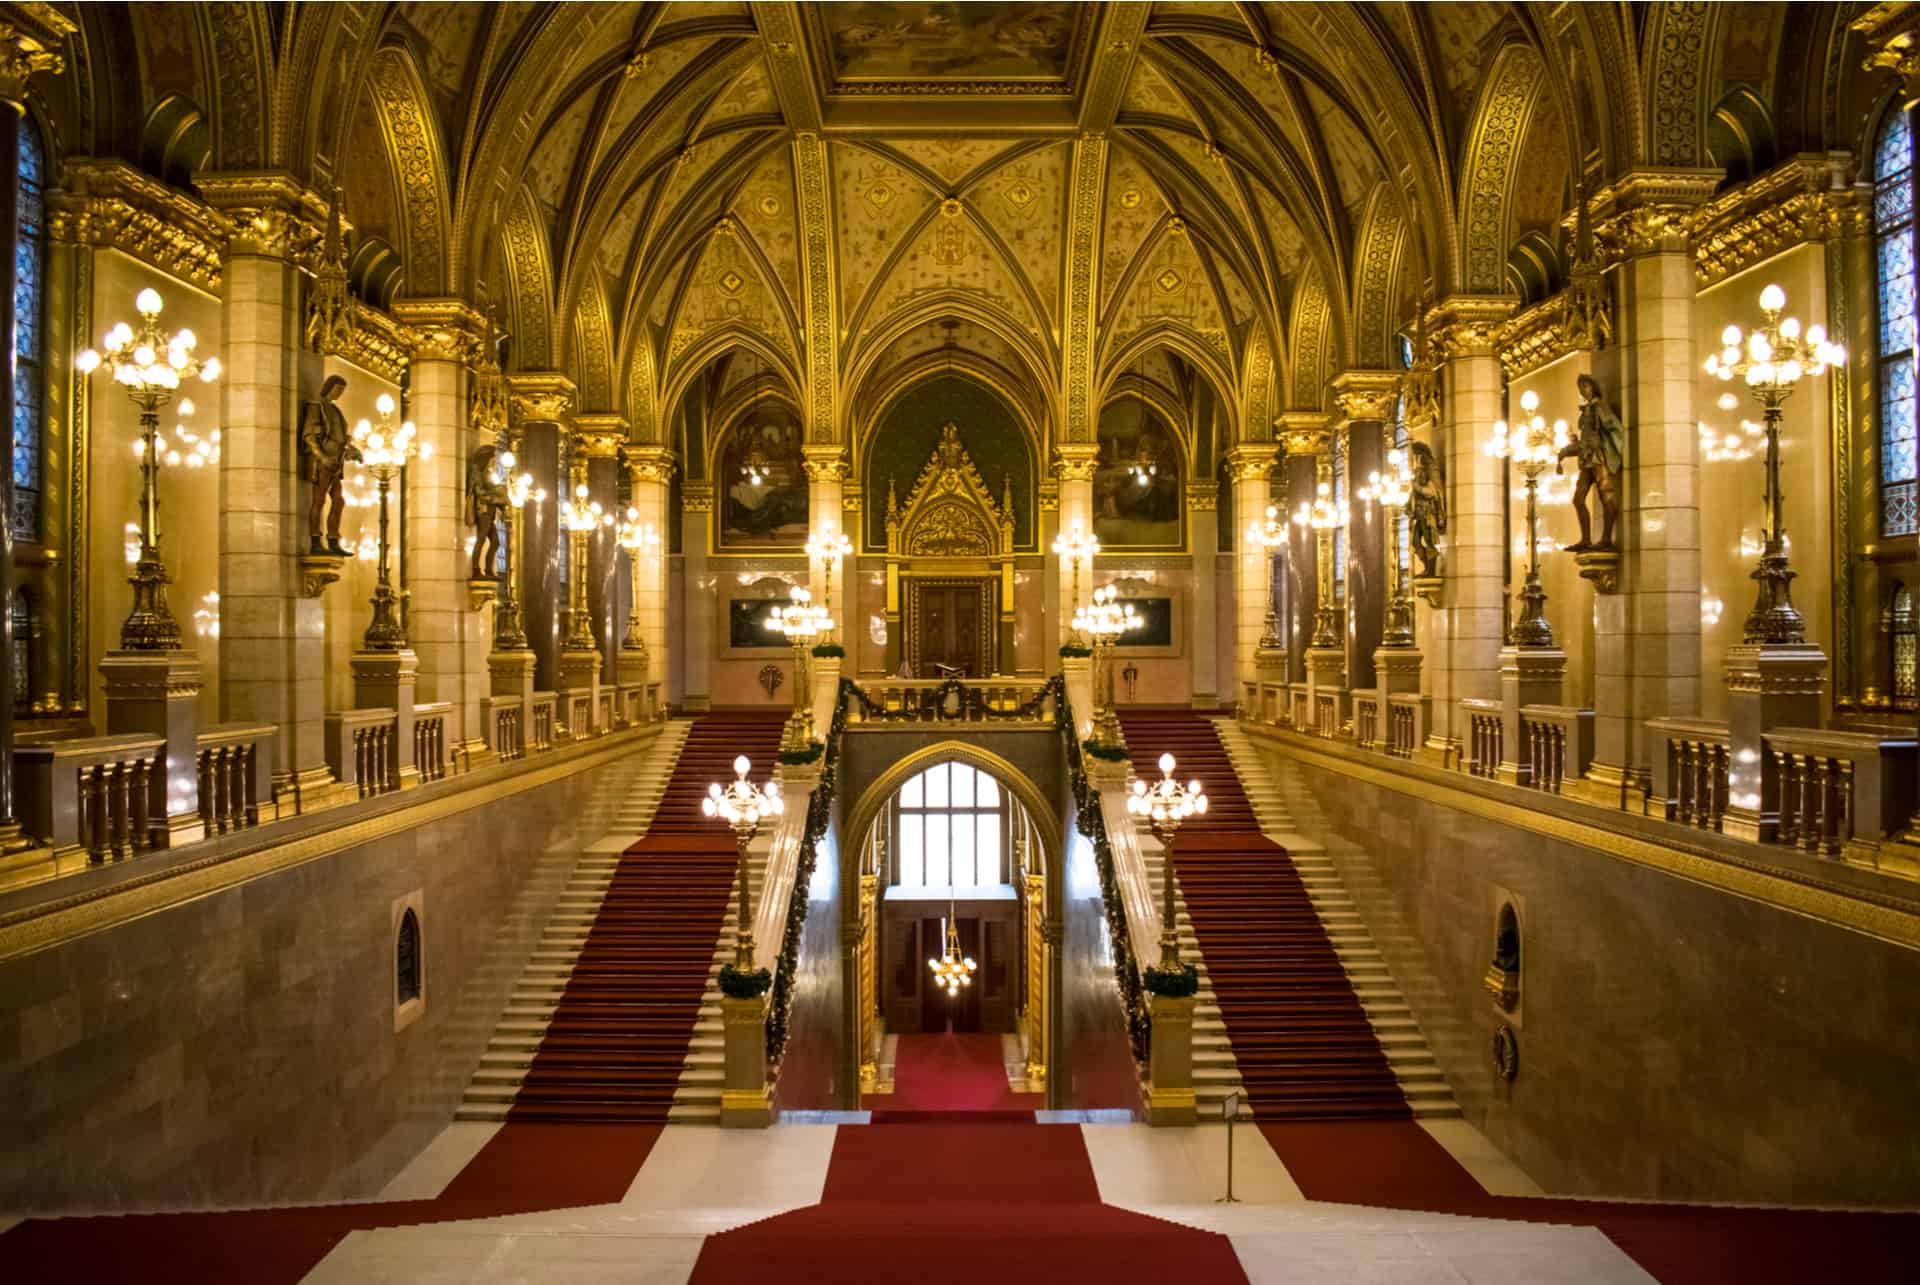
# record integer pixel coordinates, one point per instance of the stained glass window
(1893, 226)
(29, 267)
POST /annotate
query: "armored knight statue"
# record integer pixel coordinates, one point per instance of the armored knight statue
(1427, 510)
(486, 509)
(325, 448)
(1598, 448)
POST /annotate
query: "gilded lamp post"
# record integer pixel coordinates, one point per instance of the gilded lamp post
(1771, 360)
(150, 367)
(742, 806)
(580, 517)
(829, 547)
(509, 632)
(1392, 490)
(384, 450)
(1532, 446)
(1073, 548)
(1323, 516)
(801, 622)
(1165, 805)
(1270, 535)
(1104, 620)
(639, 540)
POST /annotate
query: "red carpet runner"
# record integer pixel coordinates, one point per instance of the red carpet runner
(619, 1035)
(937, 1075)
(1305, 1048)
(964, 1204)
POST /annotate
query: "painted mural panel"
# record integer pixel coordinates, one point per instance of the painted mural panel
(1136, 479)
(761, 491)
(920, 41)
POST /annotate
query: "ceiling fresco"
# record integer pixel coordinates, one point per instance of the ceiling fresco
(875, 42)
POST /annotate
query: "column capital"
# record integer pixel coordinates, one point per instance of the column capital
(269, 214)
(1366, 394)
(540, 396)
(824, 461)
(1203, 497)
(30, 36)
(1891, 33)
(600, 435)
(650, 464)
(1304, 432)
(1251, 461)
(1074, 461)
(1650, 211)
(440, 329)
(1465, 325)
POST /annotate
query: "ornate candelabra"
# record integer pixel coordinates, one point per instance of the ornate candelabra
(509, 634)
(1323, 516)
(1532, 446)
(150, 367)
(830, 546)
(384, 450)
(1073, 548)
(742, 805)
(951, 969)
(1392, 490)
(1104, 620)
(1165, 806)
(801, 622)
(638, 539)
(1771, 360)
(580, 517)
(1270, 535)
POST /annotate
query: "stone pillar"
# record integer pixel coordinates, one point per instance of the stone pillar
(272, 637)
(1470, 621)
(1304, 436)
(1203, 538)
(1250, 465)
(540, 401)
(1365, 398)
(1646, 644)
(826, 467)
(389, 680)
(442, 627)
(745, 1102)
(699, 608)
(1053, 580)
(1170, 1095)
(1073, 473)
(599, 438)
(649, 470)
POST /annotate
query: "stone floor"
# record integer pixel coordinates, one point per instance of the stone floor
(698, 1181)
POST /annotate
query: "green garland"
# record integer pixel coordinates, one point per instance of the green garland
(1108, 753)
(1172, 983)
(800, 758)
(819, 816)
(827, 651)
(1075, 651)
(735, 984)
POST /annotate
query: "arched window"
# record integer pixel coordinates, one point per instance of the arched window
(29, 267)
(950, 828)
(1893, 226)
(406, 959)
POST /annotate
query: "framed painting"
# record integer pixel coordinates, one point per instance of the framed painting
(760, 492)
(1136, 479)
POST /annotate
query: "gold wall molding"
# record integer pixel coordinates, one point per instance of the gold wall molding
(1825, 903)
(818, 271)
(1649, 211)
(1086, 207)
(1794, 203)
(28, 36)
(43, 927)
(107, 204)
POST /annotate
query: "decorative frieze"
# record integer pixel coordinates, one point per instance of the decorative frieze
(650, 464)
(440, 329)
(109, 204)
(269, 213)
(1805, 199)
(376, 342)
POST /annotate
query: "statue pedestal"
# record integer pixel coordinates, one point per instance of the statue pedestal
(744, 1100)
(157, 693)
(387, 680)
(1170, 1097)
(1768, 685)
(1327, 676)
(1528, 676)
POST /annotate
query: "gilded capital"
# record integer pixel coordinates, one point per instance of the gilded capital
(1304, 432)
(1891, 33)
(1650, 211)
(440, 329)
(696, 497)
(824, 462)
(30, 36)
(1074, 461)
(650, 464)
(1203, 497)
(599, 436)
(1467, 325)
(540, 396)
(1251, 461)
(1366, 394)
(268, 213)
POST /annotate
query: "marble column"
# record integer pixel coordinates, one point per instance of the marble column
(698, 608)
(1304, 436)
(1646, 644)
(1073, 475)
(599, 438)
(1365, 398)
(649, 471)
(442, 628)
(1053, 579)
(540, 401)
(826, 467)
(1250, 465)
(272, 637)
(1203, 539)
(1468, 626)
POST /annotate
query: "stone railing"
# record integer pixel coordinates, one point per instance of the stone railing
(575, 713)
(631, 703)
(1485, 736)
(1406, 723)
(1367, 729)
(971, 700)
(233, 763)
(603, 712)
(1299, 707)
(1556, 745)
(1840, 787)
(1690, 776)
(502, 721)
(100, 794)
(538, 736)
(656, 707)
(430, 739)
(363, 750)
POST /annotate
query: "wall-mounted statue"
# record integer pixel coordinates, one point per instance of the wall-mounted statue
(325, 448)
(1598, 446)
(1427, 510)
(486, 510)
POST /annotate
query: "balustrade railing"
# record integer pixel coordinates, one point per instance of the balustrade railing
(603, 713)
(1486, 737)
(1840, 787)
(1690, 777)
(972, 700)
(430, 739)
(1366, 720)
(540, 724)
(503, 721)
(233, 765)
(1299, 707)
(1556, 745)
(1406, 723)
(362, 750)
(103, 794)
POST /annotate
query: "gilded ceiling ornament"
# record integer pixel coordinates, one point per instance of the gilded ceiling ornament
(411, 138)
(440, 329)
(329, 322)
(817, 271)
(1493, 155)
(109, 203)
(27, 47)
(1083, 234)
(1803, 200)
(1650, 212)
(1683, 31)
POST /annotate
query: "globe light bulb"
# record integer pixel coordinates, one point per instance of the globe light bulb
(1529, 401)
(741, 766)
(1166, 763)
(384, 403)
(210, 370)
(1773, 299)
(87, 362)
(148, 302)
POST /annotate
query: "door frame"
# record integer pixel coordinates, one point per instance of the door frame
(989, 586)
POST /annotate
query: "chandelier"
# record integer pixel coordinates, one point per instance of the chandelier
(952, 970)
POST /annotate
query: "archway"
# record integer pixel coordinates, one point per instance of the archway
(952, 848)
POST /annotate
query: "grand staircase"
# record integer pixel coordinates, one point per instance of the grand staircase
(608, 1022)
(1316, 1026)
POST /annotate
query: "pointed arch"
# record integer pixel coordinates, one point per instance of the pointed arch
(1382, 246)
(1507, 102)
(419, 167)
(590, 350)
(529, 271)
(1312, 346)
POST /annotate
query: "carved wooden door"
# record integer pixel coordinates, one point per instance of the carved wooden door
(949, 624)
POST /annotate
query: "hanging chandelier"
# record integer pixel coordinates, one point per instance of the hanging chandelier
(951, 969)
